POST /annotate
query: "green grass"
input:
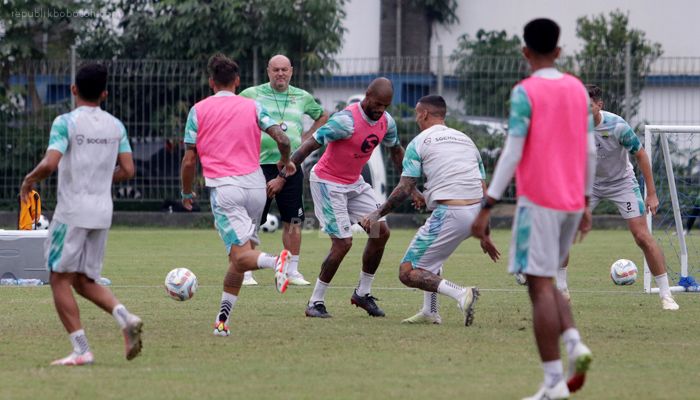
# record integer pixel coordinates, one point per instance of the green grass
(640, 352)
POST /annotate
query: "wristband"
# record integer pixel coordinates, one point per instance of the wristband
(186, 196)
(485, 205)
(282, 175)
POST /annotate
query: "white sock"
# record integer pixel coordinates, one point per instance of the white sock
(662, 284)
(293, 268)
(561, 279)
(267, 261)
(319, 293)
(431, 300)
(365, 284)
(228, 300)
(120, 314)
(451, 289)
(553, 372)
(79, 342)
(248, 275)
(571, 338)
(431, 303)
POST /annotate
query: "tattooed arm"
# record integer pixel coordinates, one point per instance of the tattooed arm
(401, 192)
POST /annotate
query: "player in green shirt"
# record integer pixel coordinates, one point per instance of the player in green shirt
(287, 105)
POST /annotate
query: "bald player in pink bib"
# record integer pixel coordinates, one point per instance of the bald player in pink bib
(342, 197)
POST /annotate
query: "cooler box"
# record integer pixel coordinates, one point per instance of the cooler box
(22, 254)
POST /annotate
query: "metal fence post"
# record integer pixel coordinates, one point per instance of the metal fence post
(255, 66)
(628, 81)
(440, 71)
(72, 74)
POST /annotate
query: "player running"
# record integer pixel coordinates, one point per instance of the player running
(84, 146)
(340, 194)
(455, 186)
(223, 130)
(615, 181)
(551, 149)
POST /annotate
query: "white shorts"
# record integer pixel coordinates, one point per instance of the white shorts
(338, 206)
(73, 249)
(626, 196)
(439, 237)
(237, 213)
(541, 238)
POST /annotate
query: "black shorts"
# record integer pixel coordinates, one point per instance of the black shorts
(289, 200)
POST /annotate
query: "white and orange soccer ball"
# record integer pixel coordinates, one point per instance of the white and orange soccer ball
(623, 272)
(180, 284)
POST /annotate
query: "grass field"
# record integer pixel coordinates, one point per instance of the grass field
(275, 352)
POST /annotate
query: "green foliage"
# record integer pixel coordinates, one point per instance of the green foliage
(488, 66)
(602, 59)
(309, 32)
(37, 30)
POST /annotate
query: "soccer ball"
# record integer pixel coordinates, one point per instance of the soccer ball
(623, 272)
(271, 224)
(180, 284)
(42, 223)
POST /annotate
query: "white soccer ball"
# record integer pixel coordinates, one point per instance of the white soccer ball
(180, 284)
(623, 272)
(43, 223)
(271, 224)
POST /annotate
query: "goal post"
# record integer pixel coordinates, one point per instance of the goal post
(667, 227)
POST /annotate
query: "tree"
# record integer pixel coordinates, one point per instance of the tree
(36, 30)
(309, 31)
(602, 59)
(488, 67)
(408, 49)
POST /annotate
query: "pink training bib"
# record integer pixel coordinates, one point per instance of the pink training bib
(228, 136)
(343, 159)
(552, 171)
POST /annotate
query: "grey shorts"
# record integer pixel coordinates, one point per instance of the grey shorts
(626, 195)
(72, 249)
(237, 213)
(439, 237)
(338, 206)
(541, 238)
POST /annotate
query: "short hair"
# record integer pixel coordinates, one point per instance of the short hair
(541, 35)
(222, 69)
(91, 81)
(594, 92)
(436, 103)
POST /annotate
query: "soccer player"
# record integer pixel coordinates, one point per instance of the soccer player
(615, 180)
(454, 189)
(551, 149)
(224, 131)
(287, 105)
(84, 145)
(341, 197)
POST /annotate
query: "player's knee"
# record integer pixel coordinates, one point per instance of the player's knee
(382, 234)
(643, 239)
(405, 273)
(342, 246)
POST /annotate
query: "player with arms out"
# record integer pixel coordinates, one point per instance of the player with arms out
(223, 130)
(340, 194)
(287, 105)
(455, 186)
(84, 145)
(551, 149)
(615, 181)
